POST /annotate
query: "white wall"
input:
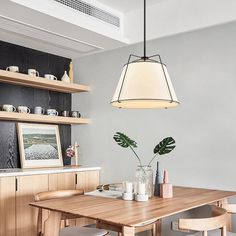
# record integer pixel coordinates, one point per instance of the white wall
(203, 69)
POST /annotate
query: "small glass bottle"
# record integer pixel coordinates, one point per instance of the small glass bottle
(144, 175)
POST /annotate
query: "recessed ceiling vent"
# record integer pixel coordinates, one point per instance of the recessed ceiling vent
(91, 10)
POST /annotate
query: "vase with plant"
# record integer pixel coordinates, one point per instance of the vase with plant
(144, 173)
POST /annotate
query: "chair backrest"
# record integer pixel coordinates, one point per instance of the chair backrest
(217, 221)
(57, 194)
(53, 195)
(230, 208)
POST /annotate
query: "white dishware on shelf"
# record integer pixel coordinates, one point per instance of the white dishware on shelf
(23, 109)
(38, 110)
(8, 108)
(52, 112)
(65, 78)
(33, 72)
(51, 77)
(13, 68)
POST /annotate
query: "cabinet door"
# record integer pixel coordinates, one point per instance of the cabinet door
(26, 216)
(7, 206)
(87, 180)
(62, 181)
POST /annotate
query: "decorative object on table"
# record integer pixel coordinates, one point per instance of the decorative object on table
(144, 175)
(144, 82)
(38, 110)
(75, 114)
(39, 145)
(142, 192)
(23, 109)
(51, 77)
(166, 189)
(157, 181)
(111, 187)
(71, 72)
(65, 78)
(52, 112)
(13, 69)
(128, 193)
(144, 172)
(65, 113)
(8, 108)
(33, 72)
(72, 152)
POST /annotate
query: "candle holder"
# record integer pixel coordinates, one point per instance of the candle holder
(128, 193)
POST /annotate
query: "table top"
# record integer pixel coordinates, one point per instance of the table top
(132, 213)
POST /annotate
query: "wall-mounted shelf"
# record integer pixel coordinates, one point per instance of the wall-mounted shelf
(42, 118)
(40, 82)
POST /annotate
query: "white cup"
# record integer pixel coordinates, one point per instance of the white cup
(23, 109)
(38, 110)
(51, 77)
(8, 108)
(33, 72)
(13, 68)
(52, 112)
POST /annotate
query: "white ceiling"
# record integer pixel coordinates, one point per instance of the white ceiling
(127, 5)
(53, 27)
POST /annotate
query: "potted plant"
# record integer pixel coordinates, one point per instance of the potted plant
(144, 173)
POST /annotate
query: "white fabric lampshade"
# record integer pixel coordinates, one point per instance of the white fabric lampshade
(145, 86)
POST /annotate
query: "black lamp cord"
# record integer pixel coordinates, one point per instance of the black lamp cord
(144, 31)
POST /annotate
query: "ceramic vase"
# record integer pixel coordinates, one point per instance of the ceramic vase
(157, 182)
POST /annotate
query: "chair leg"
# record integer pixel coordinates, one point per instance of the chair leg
(156, 230)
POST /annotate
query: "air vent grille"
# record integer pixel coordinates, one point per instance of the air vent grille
(91, 10)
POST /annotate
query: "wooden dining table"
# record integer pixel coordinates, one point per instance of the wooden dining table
(128, 215)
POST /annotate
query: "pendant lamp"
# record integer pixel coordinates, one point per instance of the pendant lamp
(144, 82)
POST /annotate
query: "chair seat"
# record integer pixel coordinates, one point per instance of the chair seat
(82, 231)
(216, 232)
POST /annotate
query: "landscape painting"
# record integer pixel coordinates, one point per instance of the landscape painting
(39, 145)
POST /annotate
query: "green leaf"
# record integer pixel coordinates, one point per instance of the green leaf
(124, 141)
(165, 146)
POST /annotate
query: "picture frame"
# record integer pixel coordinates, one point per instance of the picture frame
(39, 145)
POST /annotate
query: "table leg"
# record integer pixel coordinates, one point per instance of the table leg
(156, 231)
(128, 231)
(52, 224)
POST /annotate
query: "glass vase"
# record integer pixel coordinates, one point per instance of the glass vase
(144, 175)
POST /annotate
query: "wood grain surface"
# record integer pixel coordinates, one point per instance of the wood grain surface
(45, 63)
(132, 213)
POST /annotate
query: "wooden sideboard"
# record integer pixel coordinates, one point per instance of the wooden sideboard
(17, 218)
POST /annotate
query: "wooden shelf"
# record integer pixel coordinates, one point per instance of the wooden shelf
(40, 82)
(42, 118)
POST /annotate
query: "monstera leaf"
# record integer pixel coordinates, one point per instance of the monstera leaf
(165, 146)
(124, 141)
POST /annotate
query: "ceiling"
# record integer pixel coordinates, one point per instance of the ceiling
(127, 5)
(54, 27)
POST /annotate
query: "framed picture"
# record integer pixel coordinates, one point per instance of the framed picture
(39, 145)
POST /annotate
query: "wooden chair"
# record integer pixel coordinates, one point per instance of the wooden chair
(67, 230)
(216, 225)
(153, 227)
